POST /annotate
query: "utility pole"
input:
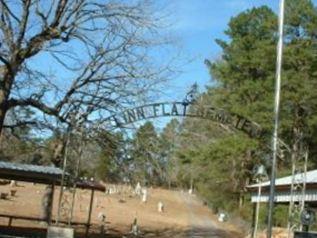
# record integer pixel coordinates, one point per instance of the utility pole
(276, 117)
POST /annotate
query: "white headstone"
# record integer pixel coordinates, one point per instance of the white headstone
(13, 183)
(134, 227)
(101, 217)
(160, 207)
(138, 189)
(144, 195)
(221, 217)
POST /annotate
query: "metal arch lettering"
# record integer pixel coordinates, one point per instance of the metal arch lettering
(172, 109)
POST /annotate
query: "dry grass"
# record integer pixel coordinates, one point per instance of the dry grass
(276, 233)
(120, 210)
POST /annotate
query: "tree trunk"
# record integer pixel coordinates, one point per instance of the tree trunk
(6, 81)
(241, 199)
(47, 202)
(3, 109)
(294, 160)
(58, 151)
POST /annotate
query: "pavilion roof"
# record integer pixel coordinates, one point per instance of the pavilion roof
(311, 178)
(41, 174)
(283, 189)
(30, 173)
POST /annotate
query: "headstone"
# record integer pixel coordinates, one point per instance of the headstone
(59, 232)
(160, 207)
(13, 183)
(134, 227)
(138, 189)
(13, 192)
(144, 195)
(102, 219)
(222, 217)
(3, 195)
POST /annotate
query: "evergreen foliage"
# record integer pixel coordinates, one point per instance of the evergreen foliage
(215, 159)
(243, 83)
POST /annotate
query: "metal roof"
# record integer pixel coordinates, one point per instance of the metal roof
(283, 189)
(30, 173)
(30, 168)
(42, 174)
(311, 178)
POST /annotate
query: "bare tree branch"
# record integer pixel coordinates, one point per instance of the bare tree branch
(24, 21)
(105, 50)
(36, 104)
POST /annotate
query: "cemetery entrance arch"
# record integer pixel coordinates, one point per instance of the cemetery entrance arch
(183, 109)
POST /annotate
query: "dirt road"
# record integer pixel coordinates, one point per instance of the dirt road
(202, 223)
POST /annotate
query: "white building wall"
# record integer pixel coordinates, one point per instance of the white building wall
(310, 195)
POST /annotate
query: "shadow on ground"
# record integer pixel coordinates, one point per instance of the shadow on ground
(193, 233)
(174, 233)
(168, 233)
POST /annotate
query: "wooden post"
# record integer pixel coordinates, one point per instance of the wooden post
(51, 205)
(89, 213)
(253, 220)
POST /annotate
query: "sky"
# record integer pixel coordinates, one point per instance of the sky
(197, 23)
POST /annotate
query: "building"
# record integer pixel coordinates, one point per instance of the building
(260, 191)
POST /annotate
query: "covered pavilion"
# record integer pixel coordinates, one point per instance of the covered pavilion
(48, 175)
(304, 192)
(283, 189)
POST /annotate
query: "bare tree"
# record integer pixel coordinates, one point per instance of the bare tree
(83, 57)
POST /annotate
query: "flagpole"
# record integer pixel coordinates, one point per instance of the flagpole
(276, 117)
